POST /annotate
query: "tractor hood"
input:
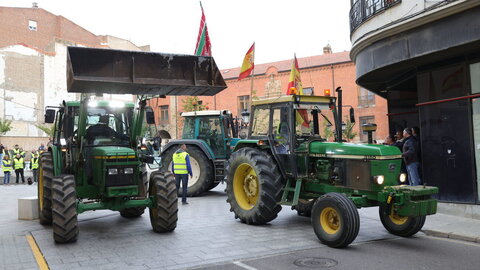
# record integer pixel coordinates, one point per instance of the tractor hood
(113, 152)
(352, 150)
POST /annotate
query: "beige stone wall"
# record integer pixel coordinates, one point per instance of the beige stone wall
(26, 143)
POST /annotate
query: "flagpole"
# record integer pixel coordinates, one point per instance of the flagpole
(251, 81)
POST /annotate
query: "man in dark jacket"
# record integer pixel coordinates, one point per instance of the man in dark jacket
(411, 157)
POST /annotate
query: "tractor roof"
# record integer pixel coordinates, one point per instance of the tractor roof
(103, 103)
(206, 113)
(294, 98)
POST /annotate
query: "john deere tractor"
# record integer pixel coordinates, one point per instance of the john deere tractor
(288, 159)
(208, 136)
(98, 157)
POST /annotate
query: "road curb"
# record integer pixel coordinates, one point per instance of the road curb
(451, 235)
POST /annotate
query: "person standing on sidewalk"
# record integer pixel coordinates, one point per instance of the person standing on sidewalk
(7, 169)
(181, 169)
(410, 155)
(19, 165)
(34, 166)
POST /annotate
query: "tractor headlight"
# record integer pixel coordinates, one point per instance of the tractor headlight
(128, 171)
(112, 171)
(379, 179)
(403, 177)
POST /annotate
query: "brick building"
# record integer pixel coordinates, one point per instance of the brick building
(33, 46)
(320, 72)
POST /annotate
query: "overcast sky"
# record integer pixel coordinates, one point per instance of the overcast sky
(279, 28)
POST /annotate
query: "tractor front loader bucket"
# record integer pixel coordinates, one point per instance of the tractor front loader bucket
(92, 70)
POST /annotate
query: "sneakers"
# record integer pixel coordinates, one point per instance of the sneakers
(184, 203)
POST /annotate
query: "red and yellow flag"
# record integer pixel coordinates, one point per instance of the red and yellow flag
(203, 47)
(248, 63)
(295, 83)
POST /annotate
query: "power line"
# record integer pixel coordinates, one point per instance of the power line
(21, 104)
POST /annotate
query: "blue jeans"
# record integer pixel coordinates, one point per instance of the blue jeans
(6, 177)
(413, 175)
(184, 179)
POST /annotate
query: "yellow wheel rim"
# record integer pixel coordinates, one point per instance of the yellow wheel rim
(40, 188)
(330, 220)
(398, 220)
(246, 186)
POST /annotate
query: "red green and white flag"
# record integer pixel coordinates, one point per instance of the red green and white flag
(204, 47)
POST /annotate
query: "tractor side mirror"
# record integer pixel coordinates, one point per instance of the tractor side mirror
(150, 116)
(352, 115)
(49, 116)
(157, 141)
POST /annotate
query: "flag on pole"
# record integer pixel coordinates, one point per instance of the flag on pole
(203, 47)
(248, 63)
(295, 83)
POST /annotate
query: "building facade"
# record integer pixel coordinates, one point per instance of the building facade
(33, 46)
(326, 71)
(424, 58)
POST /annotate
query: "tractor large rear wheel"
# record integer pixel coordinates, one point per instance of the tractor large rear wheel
(335, 220)
(44, 188)
(64, 209)
(138, 211)
(254, 186)
(202, 170)
(401, 226)
(164, 215)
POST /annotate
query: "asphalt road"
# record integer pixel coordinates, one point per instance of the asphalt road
(421, 252)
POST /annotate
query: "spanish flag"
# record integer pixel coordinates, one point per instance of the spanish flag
(248, 64)
(295, 83)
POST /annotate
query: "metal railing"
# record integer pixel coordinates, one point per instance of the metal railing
(363, 10)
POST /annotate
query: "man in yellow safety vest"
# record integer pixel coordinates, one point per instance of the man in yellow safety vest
(18, 165)
(181, 169)
(7, 169)
(34, 166)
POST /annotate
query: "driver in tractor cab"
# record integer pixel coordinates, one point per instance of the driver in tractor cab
(281, 138)
(100, 129)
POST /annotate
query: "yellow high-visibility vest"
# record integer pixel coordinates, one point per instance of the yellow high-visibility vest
(18, 163)
(180, 163)
(34, 163)
(7, 165)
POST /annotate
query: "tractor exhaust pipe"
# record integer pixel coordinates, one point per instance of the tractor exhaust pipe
(339, 113)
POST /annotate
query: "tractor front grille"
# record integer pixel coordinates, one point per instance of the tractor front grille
(358, 175)
(120, 179)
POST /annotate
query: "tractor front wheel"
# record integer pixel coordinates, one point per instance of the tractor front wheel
(335, 220)
(163, 216)
(64, 209)
(398, 225)
(44, 188)
(254, 186)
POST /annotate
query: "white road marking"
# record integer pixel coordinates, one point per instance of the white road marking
(239, 263)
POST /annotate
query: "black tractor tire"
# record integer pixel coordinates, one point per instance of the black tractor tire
(213, 185)
(254, 186)
(304, 207)
(138, 211)
(335, 220)
(44, 188)
(401, 226)
(164, 215)
(206, 177)
(64, 209)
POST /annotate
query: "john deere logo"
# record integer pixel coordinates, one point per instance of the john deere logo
(391, 167)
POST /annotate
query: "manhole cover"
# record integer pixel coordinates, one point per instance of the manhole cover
(315, 262)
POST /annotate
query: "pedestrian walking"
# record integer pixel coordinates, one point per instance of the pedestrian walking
(34, 166)
(7, 169)
(181, 169)
(410, 155)
(19, 165)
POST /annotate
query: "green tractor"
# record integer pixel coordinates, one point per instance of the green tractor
(98, 156)
(286, 161)
(208, 136)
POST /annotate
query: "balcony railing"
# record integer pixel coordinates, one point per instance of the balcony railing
(363, 10)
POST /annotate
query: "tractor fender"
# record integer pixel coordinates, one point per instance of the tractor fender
(199, 143)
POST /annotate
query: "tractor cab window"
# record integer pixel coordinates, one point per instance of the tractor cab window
(281, 130)
(314, 120)
(210, 130)
(188, 128)
(108, 126)
(260, 122)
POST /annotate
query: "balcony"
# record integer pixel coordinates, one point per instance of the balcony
(362, 10)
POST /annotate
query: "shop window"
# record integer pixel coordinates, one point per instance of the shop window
(164, 114)
(366, 120)
(365, 98)
(243, 103)
(475, 77)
